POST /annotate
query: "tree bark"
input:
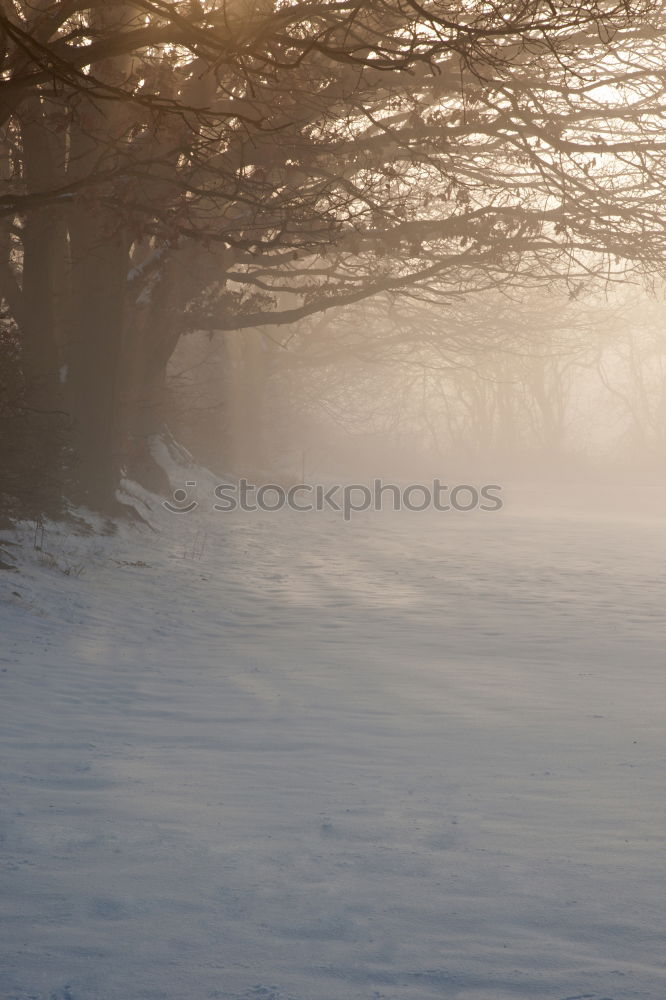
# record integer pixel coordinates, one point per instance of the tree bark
(99, 256)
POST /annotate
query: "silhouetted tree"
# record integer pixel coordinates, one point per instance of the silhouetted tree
(179, 166)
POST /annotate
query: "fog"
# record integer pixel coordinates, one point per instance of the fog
(530, 387)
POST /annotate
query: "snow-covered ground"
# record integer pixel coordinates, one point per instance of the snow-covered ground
(277, 757)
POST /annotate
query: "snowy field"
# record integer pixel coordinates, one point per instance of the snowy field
(277, 757)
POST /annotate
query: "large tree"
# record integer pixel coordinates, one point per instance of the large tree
(197, 165)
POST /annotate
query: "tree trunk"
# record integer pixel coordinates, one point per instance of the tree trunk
(99, 255)
(37, 309)
(144, 401)
(151, 336)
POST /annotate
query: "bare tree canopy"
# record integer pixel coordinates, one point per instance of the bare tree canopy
(171, 167)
